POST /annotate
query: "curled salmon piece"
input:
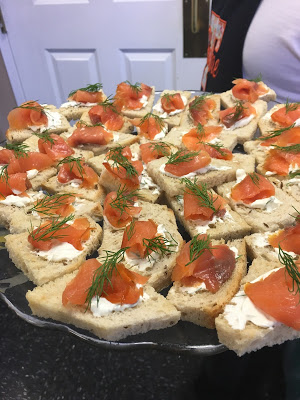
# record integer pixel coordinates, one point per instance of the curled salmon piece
(216, 151)
(56, 148)
(130, 96)
(32, 160)
(187, 162)
(253, 187)
(134, 236)
(59, 204)
(200, 134)
(15, 184)
(286, 138)
(234, 114)
(213, 267)
(78, 170)
(153, 151)
(248, 90)
(108, 115)
(286, 115)
(75, 234)
(119, 164)
(83, 96)
(46, 236)
(6, 156)
(27, 114)
(275, 296)
(287, 238)
(121, 289)
(194, 208)
(172, 102)
(279, 161)
(119, 208)
(200, 109)
(90, 135)
(150, 125)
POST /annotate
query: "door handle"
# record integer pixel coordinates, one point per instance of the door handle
(195, 26)
(2, 23)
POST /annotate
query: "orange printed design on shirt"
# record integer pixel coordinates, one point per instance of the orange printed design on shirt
(215, 36)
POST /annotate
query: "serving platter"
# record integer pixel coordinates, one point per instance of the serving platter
(183, 337)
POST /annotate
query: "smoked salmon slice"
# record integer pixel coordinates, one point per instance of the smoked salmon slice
(59, 204)
(279, 161)
(288, 137)
(200, 109)
(107, 114)
(248, 90)
(200, 134)
(129, 96)
(15, 184)
(150, 125)
(286, 115)
(274, 296)
(27, 114)
(51, 233)
(121, 289)
(6, 156)
(195, 208)
(77, 169)
(213, 266)
(90, 135)
(87, 97)
(234, 114)
(172, 102)
(184, 162)
(287, 238)
(253, 187)
(119, 208)
(134, 236)
(56, 147)
(32, 160)
(153, 151)
(119, 164)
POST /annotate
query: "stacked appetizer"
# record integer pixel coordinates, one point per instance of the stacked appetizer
(140, 168)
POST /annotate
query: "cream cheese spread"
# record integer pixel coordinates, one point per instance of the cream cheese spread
(200, 171)
(241, 123)
(63, 251)
(54, 121)
(164, 114)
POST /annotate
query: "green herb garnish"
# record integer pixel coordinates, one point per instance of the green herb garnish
(109, 103)
(103, 275)
(198, 246)
(45, 136)
(119, 160)
(254, 178)
(136, 87)
(276, 133)
(130, 229)
(30, 105)
(159, 122)
(160, 245)
(290, 106)
(124, 200)
(294, 174)
(96, 87)
(49, 230)
(20, 149)
(161, 148)
(291, 268)
(204, 195)
(257, 79)
(181, 156)
(49, 204)
(72, 161)
(295, 148)
(4, 174)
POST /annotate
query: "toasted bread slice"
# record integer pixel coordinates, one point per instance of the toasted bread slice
(154, 313)
(159, 271)
(228, 100)
(202, 307)
(219, 171)
(40, 270)
(175, 119)
(143, 111)
(252, 337)
(126, 128)
(58, 124)
(258, 246)
(266, 124)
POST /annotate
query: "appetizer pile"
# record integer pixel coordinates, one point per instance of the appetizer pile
(140, 168)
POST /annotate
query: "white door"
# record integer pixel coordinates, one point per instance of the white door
(56, 46)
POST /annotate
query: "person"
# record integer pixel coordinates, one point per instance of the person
(249, 38)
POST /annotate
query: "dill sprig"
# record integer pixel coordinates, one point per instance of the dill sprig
(295, 148)
(254, 178)
(291, 268)
(181, 156)
(109, 103)
(136, 87)
(204, 195)
(276, 133)
(89, 88)
(238, 111)
(159, 122)
(198, 246)
(124, 200)
(290, 106)
(168, 96)
(45, 136)
(49, 204)
(160, 245)
(49, 230)
(72, 161)
(19, 149)
(200, 131)
(161, 148)
(103, 275)
(4, 174)
(257, 79)
(219, 147)
(294, 174)
(197, 102)
(119, 160)
(30, 105)
(130, 229)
